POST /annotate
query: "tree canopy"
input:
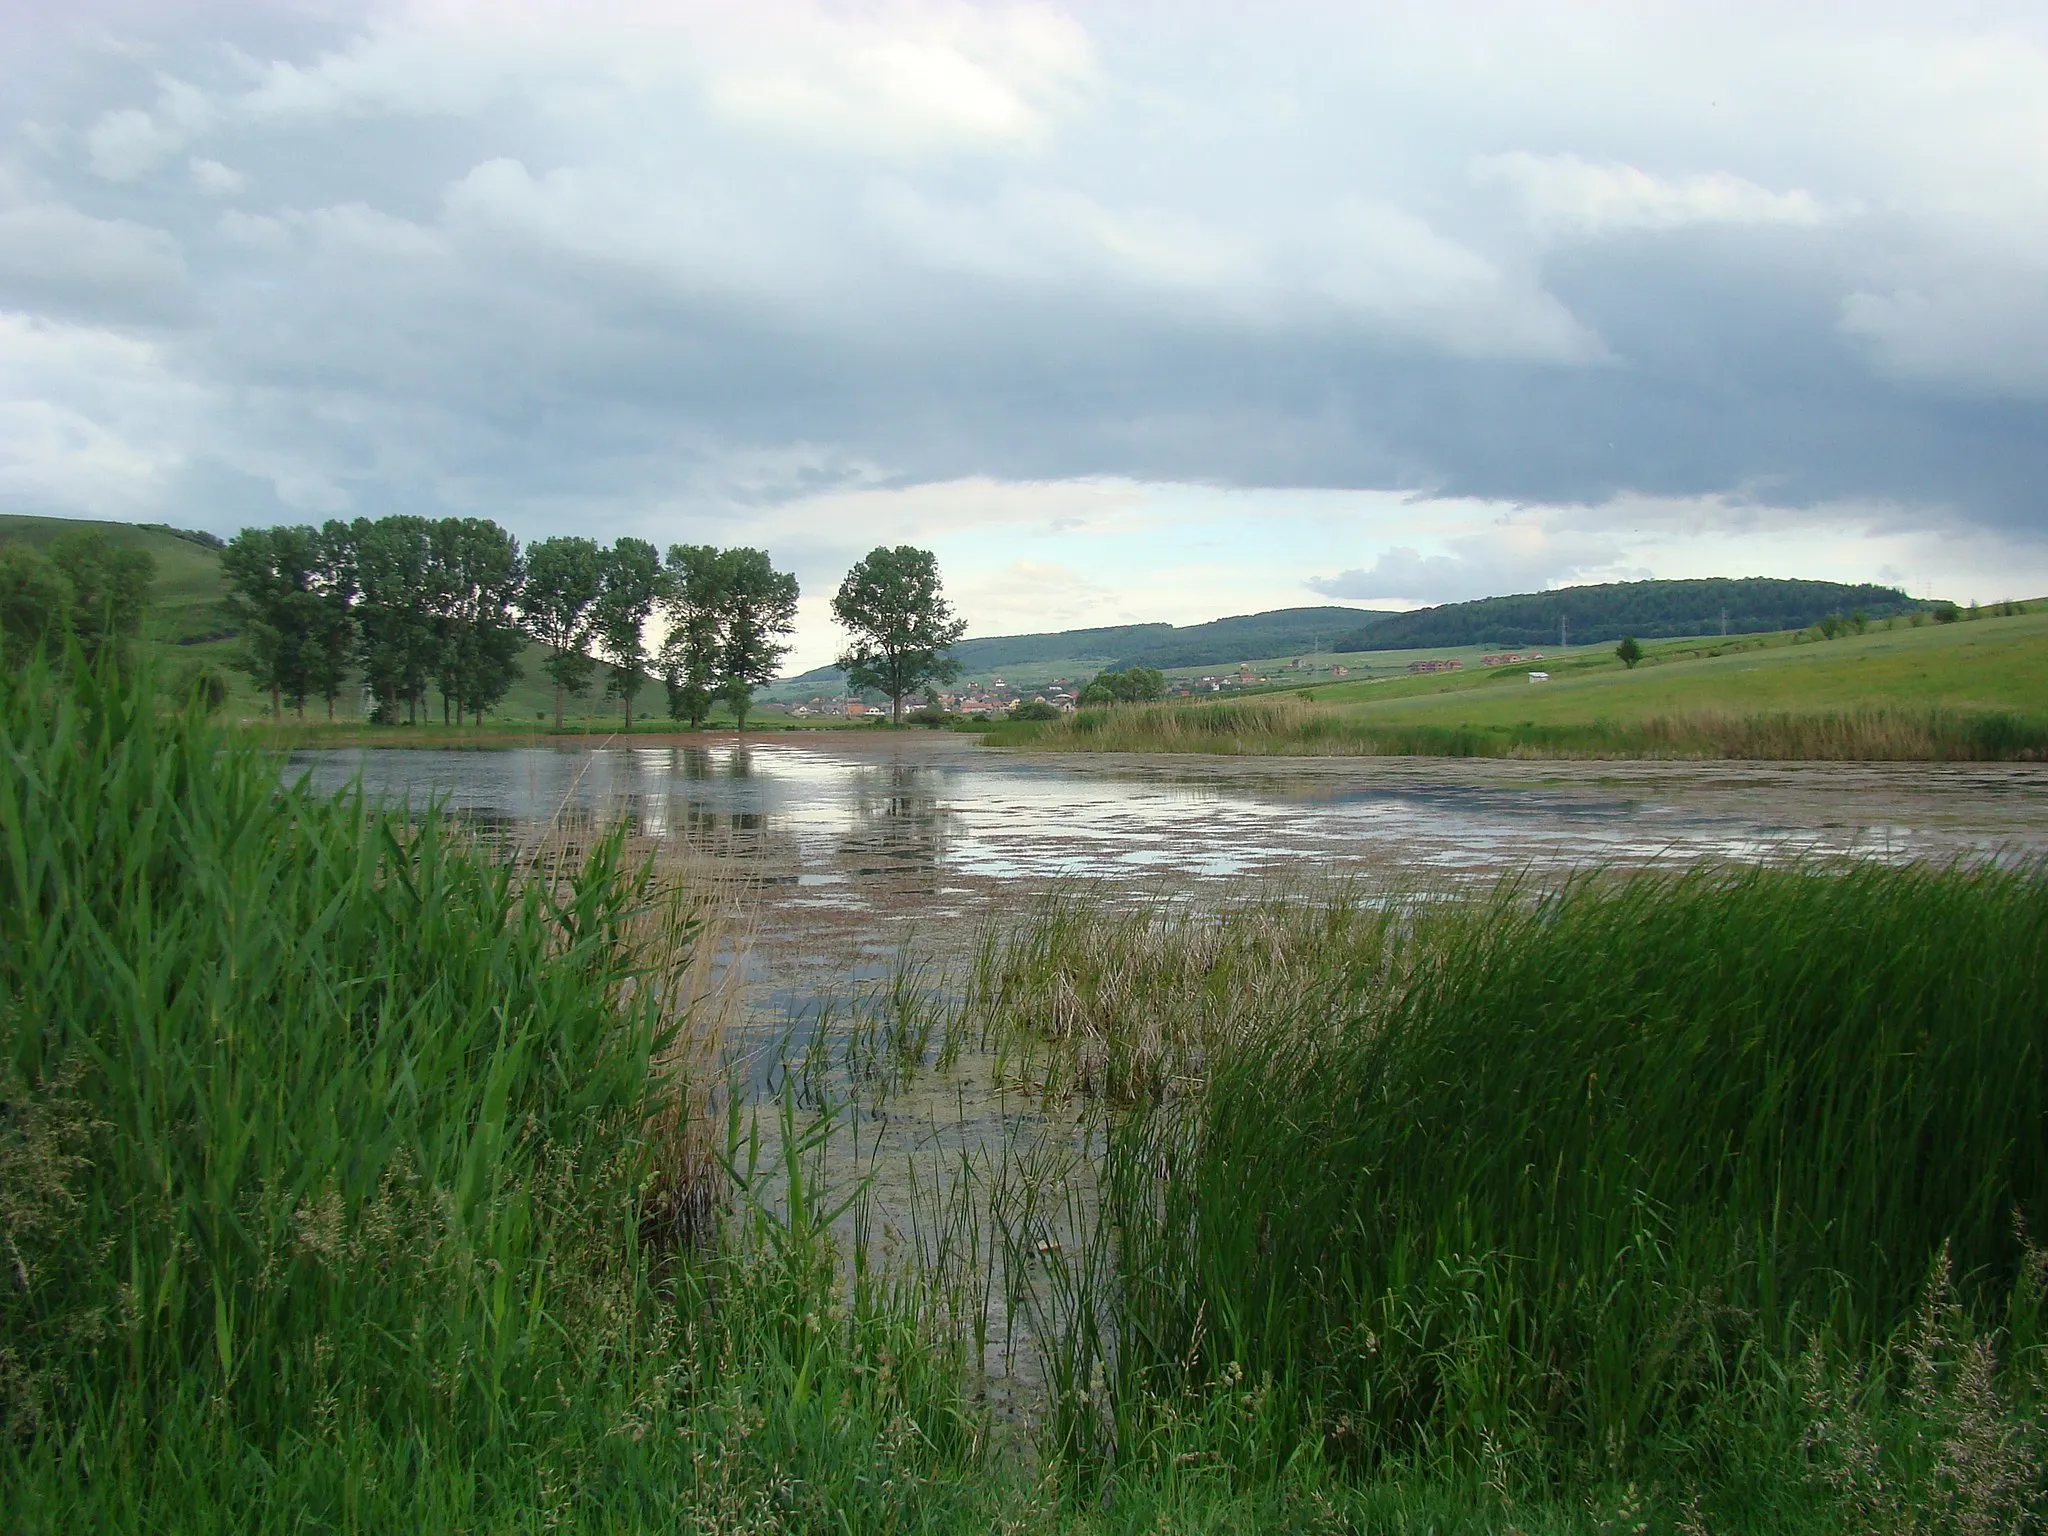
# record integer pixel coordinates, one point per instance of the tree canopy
(1130, 686)
(1646, 609)
(690, 601)
(901, 624)
(632, 586)
(563, 579)
(108, 590)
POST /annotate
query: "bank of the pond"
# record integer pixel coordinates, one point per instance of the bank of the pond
(353, 1179)
(1292, 726)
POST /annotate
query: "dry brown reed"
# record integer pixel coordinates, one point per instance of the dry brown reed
(1293, 726)
(1129, 1003)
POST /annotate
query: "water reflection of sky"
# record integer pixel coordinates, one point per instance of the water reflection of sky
(946, 818)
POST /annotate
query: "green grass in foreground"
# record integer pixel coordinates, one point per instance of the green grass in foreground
(1971, 690)
(339, 1162)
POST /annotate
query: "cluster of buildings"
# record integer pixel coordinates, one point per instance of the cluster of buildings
(1452, 663)
(993, 697)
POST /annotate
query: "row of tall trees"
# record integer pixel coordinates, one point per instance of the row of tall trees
(406, 603)
(409, 604)
(725, 610)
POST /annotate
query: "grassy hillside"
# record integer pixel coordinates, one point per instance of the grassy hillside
(1079, 653)
(185, 626)
(1645, 609)
(1904, 691)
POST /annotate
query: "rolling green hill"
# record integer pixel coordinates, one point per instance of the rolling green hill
(1646, 609)
(1905, 689)
(1083, 652)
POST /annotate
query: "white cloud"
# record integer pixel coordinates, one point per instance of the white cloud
(215, 179)
(92, 423)
(52, 257)
(127, 144)
(1987, 334)
(1391, 270)
(1512, 556)
(130, 143)
(918, 80)
(1565, 197)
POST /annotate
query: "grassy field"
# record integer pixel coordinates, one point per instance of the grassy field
(1977, 688)
(357, 1177)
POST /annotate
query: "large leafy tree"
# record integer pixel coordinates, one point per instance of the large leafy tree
(1130, 686)
(272, 575)
(476, 576)
(35, 604)
(330, 647)
(901, 624)
(692, 602)
(109, 589)
(397, 635)
(564, 578)
(757, 607)
(633, 583)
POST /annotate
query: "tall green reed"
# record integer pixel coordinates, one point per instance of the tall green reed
(345, 1095)
(331, 1147)
(1594, 1161)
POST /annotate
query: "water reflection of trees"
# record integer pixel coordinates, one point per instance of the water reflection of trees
(691, 807)
(897, 824)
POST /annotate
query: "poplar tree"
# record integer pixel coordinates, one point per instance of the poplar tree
(564, 578)
(756, 607)
(633, 583)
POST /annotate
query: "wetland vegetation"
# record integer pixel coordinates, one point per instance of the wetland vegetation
(361, 1173)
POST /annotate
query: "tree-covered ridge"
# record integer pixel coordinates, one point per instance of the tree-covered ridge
(1241, 637)
(1646, 609)
(1118, 647)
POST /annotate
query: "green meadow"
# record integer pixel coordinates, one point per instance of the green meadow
(1977, 688)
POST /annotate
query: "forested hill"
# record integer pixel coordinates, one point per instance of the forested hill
(1646, 609)
(1249, 636)
(994, 652)
(1219, 642)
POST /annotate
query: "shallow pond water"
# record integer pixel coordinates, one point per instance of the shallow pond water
(853, 848)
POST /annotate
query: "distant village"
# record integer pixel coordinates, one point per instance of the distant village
(994, 696)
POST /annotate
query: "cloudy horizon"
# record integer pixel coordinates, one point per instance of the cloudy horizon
(1128, 311)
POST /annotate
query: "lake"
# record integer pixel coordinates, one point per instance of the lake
(854, 851)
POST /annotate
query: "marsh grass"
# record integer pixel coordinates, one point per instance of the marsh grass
(1563, 1184)
(1291, 726)
(359, 1174)
(355, 1176)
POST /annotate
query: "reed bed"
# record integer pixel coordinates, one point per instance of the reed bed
(1639, 1175)
(338, 1168)
(357, 1174)
(1291, 726)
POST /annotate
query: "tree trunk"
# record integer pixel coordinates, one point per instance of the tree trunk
(330, 709)
(276, 704)
(558, 706)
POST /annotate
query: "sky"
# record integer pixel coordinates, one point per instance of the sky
(1129, 311)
